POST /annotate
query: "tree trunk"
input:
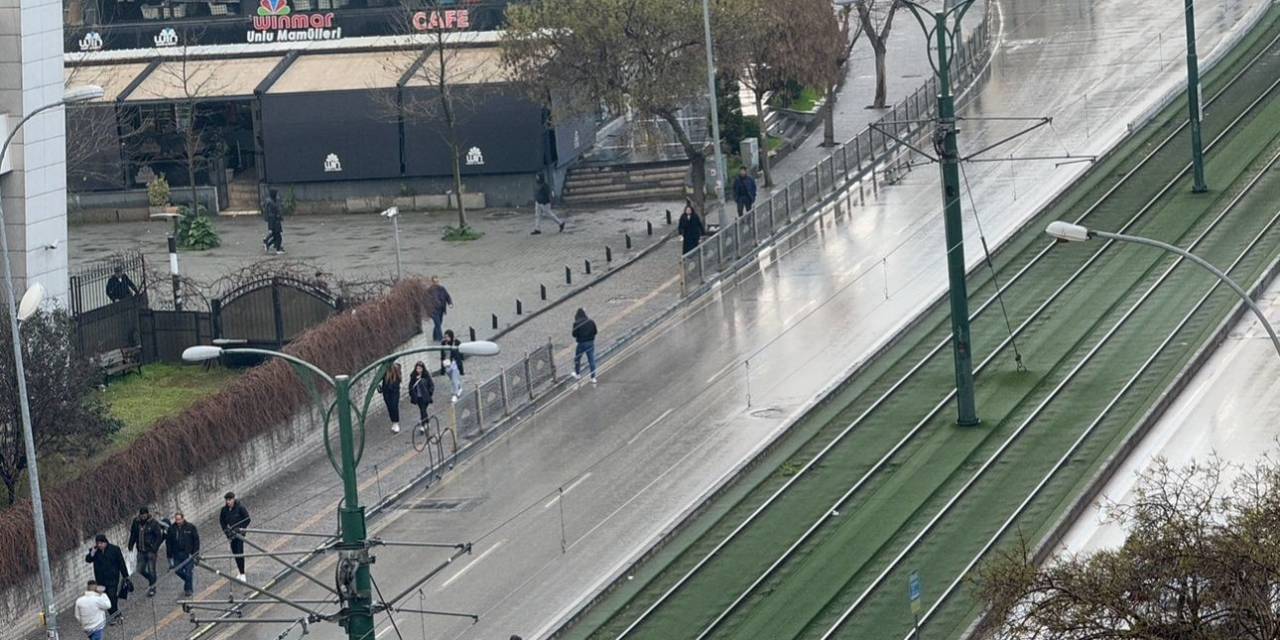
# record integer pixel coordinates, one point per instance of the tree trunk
(764, 141)
(829, 119)
(191, 177)
(698, 173)
(882, 89)
(447, 102)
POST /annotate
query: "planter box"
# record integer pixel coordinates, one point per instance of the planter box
(163, 211)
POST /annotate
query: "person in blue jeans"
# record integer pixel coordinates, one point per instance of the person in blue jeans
(584, 332)
(181, 543)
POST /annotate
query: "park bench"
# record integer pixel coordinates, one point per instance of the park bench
(118, 362)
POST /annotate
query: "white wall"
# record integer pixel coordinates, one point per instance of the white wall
(34, 193)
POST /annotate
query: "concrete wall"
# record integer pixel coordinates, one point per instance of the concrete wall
(131, 204)
(34, 192)
(358, 196)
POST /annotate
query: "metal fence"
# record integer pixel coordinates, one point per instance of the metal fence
(869, 154)
(482, 405)
(88, 284)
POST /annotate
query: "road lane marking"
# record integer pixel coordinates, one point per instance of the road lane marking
(472, 564)
(567, 490)
(651, 425)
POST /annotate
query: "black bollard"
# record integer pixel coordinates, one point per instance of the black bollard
(628, 237)
(519, 307)
(495, 320)
(649, 224)
(568, 276)
(668, 216)
(473, 333)
(542, 290)
(608, 254)
(587, 264)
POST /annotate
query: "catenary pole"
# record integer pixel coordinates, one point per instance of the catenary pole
(353, 551)
(1193, 101)
(715, 113)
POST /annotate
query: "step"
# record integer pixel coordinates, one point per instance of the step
(654, 184)
(239, 213)
(623, 178)
(634, 195)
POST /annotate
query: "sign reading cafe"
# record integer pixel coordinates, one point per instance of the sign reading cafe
(276, 22)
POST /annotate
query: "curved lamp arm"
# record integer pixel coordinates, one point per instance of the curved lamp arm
(5, 147)
(284, 356)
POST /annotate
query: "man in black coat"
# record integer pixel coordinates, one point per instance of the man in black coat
(110, 571)
(181, 543)
(232, 519)
(744, 191)
(146, 535)
(120, 286)
(273, 212)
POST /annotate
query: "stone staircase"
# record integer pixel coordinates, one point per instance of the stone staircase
(242, 196)
(588, 185)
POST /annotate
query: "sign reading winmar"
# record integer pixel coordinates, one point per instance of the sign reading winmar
(276, 22)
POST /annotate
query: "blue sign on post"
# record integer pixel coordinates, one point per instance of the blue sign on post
(914, 591)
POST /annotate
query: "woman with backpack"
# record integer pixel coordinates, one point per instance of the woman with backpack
(389, 387)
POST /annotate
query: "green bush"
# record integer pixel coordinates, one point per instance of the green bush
(290, 202)
(196, 231)
(158, 192)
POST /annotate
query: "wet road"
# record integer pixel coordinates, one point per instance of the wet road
(670, 418)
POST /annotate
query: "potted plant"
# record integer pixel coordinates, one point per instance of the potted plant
(158, 196)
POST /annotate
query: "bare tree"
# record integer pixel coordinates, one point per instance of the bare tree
(192, 84)
(94, 133)
(850, 31)
(1201, 562)
(438, 61)
(876, 17)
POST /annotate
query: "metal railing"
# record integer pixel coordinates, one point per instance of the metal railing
(88, 284)
(868, 155)
(484, 404)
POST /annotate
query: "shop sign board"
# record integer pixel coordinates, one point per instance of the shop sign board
(276, 22)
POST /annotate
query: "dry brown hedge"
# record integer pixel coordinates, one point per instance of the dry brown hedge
(250, 405)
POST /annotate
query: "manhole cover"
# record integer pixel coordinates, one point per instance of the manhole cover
(768, 412)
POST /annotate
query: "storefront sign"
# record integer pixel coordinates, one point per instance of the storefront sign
(332, 164)
(474, 157)
(276, 22)
(91, 41)
(166, 38)
(442, 20)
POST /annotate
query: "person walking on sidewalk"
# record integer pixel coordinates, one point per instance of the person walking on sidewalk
(233, 519)
(421, 390)
(274, 214)
(91, 610)
(110, 571)
(542, 205)
(145, 536)
(451, 363)
(389, 387)
(744, 191)
(440, 296)
(584, 332)
(690, 228)
(181, 544)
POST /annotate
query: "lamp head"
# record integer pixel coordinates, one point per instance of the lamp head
(201, 353)
(1068, 232)
(82, 93)
(479, 348)
(30, 302)
(391, 212)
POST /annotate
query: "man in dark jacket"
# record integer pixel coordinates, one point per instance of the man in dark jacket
(110, 571)
(690, 229)
(584, 332)
(274, 214)
(744, 191)
(146, 535)
(120, 286)
(542, 205)
(181, 544)
(442, 301)
(232, 519)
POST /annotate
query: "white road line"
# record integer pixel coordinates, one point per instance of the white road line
(567, 489)
(650, 425)
(472, 564)
(723, 370)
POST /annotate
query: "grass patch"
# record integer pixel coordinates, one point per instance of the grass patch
(806, 100)
(462, 234)
(160, 391)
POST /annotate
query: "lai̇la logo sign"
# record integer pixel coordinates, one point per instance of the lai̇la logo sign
(332, 164)
(276, 22)
(91, 41)
(166, 38)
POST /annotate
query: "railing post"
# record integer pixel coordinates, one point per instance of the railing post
(506, 398)
(551, 356)
(528, 378)
(479, 410)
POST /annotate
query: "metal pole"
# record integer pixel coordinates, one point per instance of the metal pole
(395, 221)
(1193, 101)
(173, 272)
(1262, 317)
(950, 166)
(353, 550)
(715, 115)
(28, 440)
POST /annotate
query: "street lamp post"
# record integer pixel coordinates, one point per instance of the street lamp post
(73, 95)
(1068, 232)
(944, 141)
(394, 214)
(715, 113)
(1193, 101)
(354, 585)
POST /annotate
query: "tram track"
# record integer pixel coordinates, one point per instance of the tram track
(1029, 263)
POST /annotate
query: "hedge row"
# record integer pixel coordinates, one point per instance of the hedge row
(262, 399)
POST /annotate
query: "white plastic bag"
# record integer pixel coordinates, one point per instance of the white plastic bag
(130, 561)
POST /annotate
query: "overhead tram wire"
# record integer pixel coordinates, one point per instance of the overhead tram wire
(995, 277)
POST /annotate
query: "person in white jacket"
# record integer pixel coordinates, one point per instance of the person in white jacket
(91, 611)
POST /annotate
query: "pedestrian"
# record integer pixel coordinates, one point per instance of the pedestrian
(274, 214)
(110, 571)
(421, 392)
(442, 300)
(181, 544)
(91, 610)
(584, 332)
(451, 363)
(744, 191)
(389, 387)
(542, 205)
(233, 519)
(120, 286)
(690, 228)
(145, 536)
